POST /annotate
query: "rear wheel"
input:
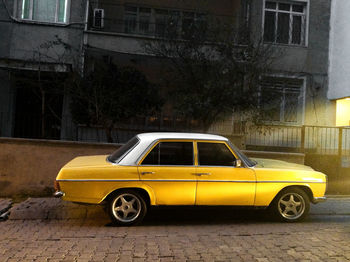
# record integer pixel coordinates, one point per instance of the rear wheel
(127, 208)
(291, 205)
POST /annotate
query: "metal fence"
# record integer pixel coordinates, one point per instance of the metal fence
(309, 139)
(273, 136)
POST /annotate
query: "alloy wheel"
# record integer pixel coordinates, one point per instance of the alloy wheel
(291, 206)
(126, 207)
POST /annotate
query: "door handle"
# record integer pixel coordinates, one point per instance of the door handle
(147, 173)
(202, 174)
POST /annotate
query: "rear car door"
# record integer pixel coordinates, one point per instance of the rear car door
(220, 182)
(168, 168)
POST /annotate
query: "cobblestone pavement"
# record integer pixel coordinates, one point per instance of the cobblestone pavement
(185, 234)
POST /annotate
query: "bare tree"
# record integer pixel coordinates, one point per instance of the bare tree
(111, 94)
(214, 68)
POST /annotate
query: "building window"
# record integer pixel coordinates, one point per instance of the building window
(162, 22)
(167, 23)
(54, 11)
(281, 99)
(137, 20)
(285, 22)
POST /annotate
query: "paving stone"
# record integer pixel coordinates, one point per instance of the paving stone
(322, 237)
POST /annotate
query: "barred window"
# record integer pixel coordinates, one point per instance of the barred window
(285, 22)
(281, 99)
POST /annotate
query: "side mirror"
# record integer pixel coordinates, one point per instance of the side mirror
(238, 163)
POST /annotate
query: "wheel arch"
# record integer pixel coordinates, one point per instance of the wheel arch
(305, 188)
(147, 194)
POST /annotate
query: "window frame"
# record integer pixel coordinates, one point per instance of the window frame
(31, 6)
(306, 25)
(155, 143)
(138, 15)
(301, 115)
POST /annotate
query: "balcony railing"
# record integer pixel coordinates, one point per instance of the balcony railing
(147, 29)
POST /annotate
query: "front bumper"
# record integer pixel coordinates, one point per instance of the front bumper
(319, 200)
(58, 194)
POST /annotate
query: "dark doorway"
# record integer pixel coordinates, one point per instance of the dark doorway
(39, 101)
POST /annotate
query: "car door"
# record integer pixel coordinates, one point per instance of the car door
(220, 182)
(168, 168)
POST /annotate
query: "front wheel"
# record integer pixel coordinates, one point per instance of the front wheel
(291, 205)
(127, 208)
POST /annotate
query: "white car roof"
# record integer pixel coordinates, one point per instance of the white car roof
(164, 135)
(146, 140)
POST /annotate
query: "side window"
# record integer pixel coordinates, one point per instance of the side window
(171, 153)
(214, 154)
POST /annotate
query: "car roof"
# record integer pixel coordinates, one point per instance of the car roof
(146, 140)
(178, 135)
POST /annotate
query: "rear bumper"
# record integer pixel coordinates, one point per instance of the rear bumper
(58, 194)
(319, 200)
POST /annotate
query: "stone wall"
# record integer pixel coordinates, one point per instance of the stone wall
(30, 166)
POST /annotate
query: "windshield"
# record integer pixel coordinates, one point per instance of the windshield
(118, 155)
(242, 156)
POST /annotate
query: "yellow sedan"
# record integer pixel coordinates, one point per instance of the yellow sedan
(155, 169)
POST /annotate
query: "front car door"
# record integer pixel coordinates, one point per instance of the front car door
(220, 182)
(168, 168)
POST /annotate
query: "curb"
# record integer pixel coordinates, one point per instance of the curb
(5, 206)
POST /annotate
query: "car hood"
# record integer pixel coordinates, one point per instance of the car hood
(279, 164)
(88, 161)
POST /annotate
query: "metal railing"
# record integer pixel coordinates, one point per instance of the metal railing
(307, 139)
(148, 29)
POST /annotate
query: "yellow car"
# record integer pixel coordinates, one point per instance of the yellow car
(155, 169)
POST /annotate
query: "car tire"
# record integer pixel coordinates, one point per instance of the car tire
(127, 208)
(290, 205)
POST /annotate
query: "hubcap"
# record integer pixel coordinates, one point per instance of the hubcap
(126, 207)
(291, 206)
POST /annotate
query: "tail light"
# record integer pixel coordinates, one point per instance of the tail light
(57, 186)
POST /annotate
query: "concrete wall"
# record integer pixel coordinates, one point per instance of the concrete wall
(25, 40)
(339, 52)
(289, 157)
(338, 177)
(31, 166)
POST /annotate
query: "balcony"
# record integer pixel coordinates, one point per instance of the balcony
(124, 29)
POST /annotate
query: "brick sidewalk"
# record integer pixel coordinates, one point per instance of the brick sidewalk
(51, 208)
(324, 238)
(183, 234)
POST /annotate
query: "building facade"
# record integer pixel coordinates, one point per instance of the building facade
(41, 41)
(339, 61)
(53, 36)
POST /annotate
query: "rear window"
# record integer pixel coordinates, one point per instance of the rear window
(117, 155)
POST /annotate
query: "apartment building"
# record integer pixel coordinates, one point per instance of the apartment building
(305, 83)
(41, 40)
